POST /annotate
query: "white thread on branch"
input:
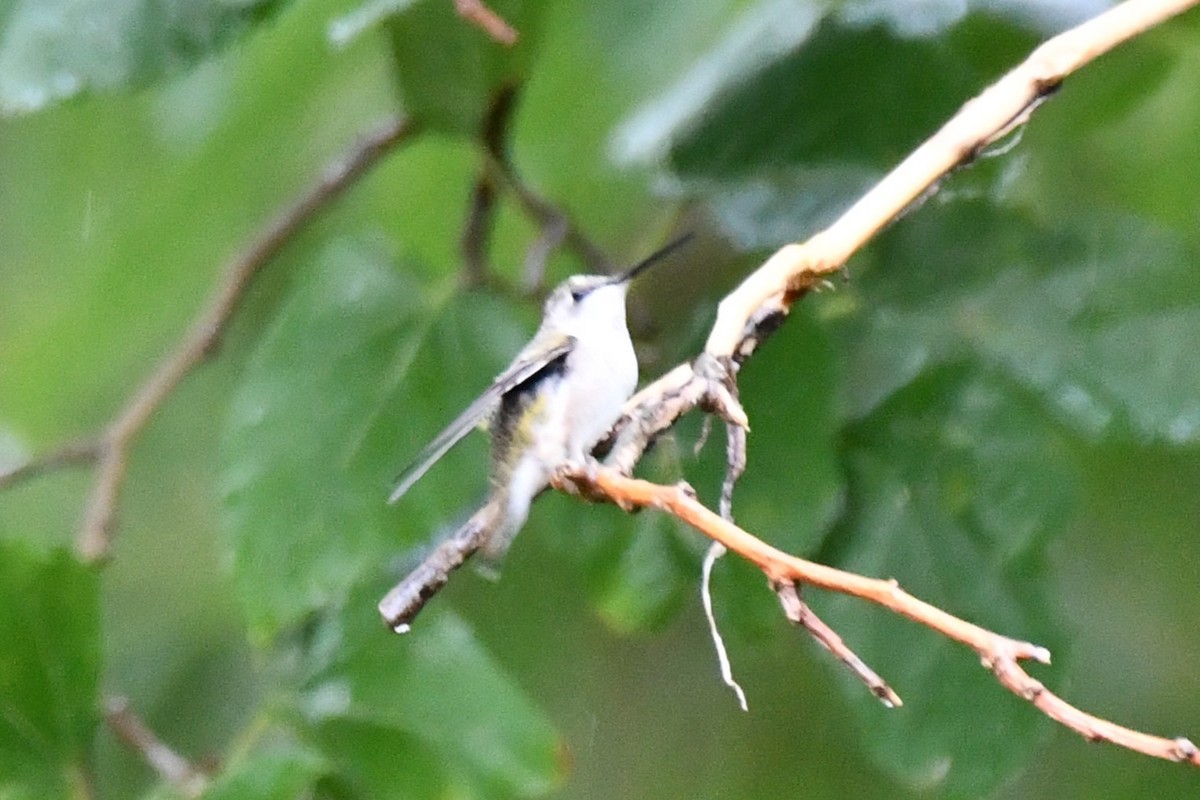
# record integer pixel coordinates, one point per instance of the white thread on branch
(715, 551)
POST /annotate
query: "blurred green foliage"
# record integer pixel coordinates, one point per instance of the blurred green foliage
(999, 406)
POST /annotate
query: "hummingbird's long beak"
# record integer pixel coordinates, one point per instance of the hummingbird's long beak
(652, 259)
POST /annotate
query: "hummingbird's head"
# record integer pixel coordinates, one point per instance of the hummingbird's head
(584, 302)
(597, 302)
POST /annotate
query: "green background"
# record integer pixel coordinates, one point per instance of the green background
(1000, 405)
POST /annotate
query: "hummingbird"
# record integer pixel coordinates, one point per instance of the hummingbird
(548, 409)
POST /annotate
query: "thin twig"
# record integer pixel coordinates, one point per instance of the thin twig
(760, 304)
(110, 449)
(489, 21)
(203, 338)
(705, 431)
(80, 453)
(537, 256)
(799, 613)
(1000, 654)
(497, 171)
(171, 767)
(735, 461)
(794, 607)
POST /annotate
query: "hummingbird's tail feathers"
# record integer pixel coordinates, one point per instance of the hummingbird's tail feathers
(655, 257)
(475, 414)
(526, 365)
(406, 599)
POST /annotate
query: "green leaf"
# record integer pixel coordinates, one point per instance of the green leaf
(277, 772)
(436, 685)
(51, 50)
(984, 452)
(303, 509)
(1077, 154)
(821, 126)
(788, 204)
(767, 130)
(764, 96)
(643, 584)
(369, 370)
(792, 490)
(368, 15)
(379, 761)
(49, 667)
(1096, 318)
(937, 503)
(449, 70)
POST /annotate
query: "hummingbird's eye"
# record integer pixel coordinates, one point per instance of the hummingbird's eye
(578, 294)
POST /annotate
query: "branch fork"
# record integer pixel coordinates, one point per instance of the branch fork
(1001, 655)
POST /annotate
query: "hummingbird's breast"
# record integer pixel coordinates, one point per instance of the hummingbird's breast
(603, 374)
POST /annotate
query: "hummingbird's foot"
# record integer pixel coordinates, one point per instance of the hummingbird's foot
(577, 477)
(591, 469)
(564, 476)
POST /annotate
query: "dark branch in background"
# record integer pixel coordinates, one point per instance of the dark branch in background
(481, 212)
(557, 228)
(477, 232)
(109, 449)
(475, 12)
(172, 768)
(761, 303)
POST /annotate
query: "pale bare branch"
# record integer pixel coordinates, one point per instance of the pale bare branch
(999, 654)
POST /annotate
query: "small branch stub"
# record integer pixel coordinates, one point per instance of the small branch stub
(798, 612)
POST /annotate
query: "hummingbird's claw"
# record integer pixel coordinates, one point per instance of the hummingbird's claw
(577, 477)
(565, 477)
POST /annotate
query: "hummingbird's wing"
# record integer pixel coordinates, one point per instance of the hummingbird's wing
(540, 352)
